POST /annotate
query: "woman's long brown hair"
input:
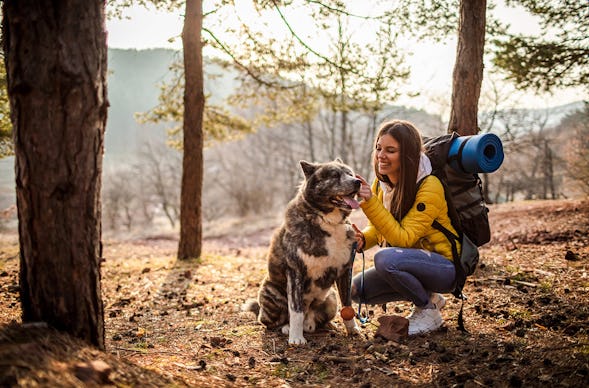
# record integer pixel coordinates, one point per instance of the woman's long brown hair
(411, 146)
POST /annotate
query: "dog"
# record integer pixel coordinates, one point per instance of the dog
(310, 253)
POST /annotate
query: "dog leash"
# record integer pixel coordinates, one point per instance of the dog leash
(362, 319)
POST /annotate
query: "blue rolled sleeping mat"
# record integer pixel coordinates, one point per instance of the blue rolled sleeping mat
(482, 153)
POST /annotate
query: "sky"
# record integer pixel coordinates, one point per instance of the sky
(431, 64)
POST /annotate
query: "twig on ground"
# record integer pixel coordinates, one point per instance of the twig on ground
(145, 351)
(341, 359)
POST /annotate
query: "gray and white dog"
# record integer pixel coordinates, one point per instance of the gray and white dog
(310, 253)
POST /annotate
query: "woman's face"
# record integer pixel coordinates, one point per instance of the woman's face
(388, 156)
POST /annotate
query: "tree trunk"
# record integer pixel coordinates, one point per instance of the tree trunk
(468, 70)
(311, 139)
(345, 142)
(548, 186)
(190, 244)
(485, 179)
(56, 59)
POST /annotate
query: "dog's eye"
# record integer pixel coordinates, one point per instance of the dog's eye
(346, 175)
(334, 174)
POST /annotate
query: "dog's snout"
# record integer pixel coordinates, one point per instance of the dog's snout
(357, 183)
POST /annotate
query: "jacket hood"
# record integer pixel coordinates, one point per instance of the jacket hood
(425, 167)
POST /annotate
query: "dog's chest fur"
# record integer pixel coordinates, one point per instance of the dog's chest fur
(317, 245)
(323, 270)
(334, 252)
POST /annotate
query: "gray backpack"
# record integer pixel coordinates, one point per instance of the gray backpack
(464, 191)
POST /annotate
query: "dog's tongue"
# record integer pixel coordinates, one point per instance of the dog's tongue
(352, 202)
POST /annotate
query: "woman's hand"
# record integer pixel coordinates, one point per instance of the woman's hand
(365, 192)
(360, 239)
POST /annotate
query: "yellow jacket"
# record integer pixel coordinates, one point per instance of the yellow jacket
(415, 229)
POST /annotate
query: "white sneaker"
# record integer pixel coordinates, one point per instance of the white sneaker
(424, 320)
(438, 300)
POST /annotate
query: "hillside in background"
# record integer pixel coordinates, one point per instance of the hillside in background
(134, 77)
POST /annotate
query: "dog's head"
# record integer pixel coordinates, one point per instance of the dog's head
(331, 185)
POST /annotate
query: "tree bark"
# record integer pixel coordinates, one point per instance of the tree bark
(190, 244)
(56, 60)
(468, 70)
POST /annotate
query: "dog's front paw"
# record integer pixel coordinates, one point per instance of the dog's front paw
(293, 339)
(296, 340)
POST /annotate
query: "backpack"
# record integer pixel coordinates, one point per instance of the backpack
(464, 190)
(466, 209)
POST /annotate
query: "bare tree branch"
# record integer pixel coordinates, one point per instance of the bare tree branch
(236, 61)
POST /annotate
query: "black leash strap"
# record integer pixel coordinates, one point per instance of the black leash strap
(361, 318)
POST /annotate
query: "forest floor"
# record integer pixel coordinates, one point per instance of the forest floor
(171, 323)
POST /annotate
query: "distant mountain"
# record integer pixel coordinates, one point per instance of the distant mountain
(555, 114)
(133, 87)
(133, 79)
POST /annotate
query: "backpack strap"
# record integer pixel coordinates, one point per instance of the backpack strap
(459, 272)
(458, 157)
(451, 237)
(455, 254)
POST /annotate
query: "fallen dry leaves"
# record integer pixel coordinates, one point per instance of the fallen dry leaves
(171, 323)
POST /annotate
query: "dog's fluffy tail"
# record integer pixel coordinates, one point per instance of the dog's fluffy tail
(251, 305)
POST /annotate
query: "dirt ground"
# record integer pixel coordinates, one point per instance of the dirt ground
(174, 324)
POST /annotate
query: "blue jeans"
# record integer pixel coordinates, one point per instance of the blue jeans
(404, 274)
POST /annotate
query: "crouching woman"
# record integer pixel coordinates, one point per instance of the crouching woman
(415, 263)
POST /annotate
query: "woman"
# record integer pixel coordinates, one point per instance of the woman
(404, 200)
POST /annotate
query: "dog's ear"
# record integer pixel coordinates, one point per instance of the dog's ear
(339, 160)
(308, 168)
